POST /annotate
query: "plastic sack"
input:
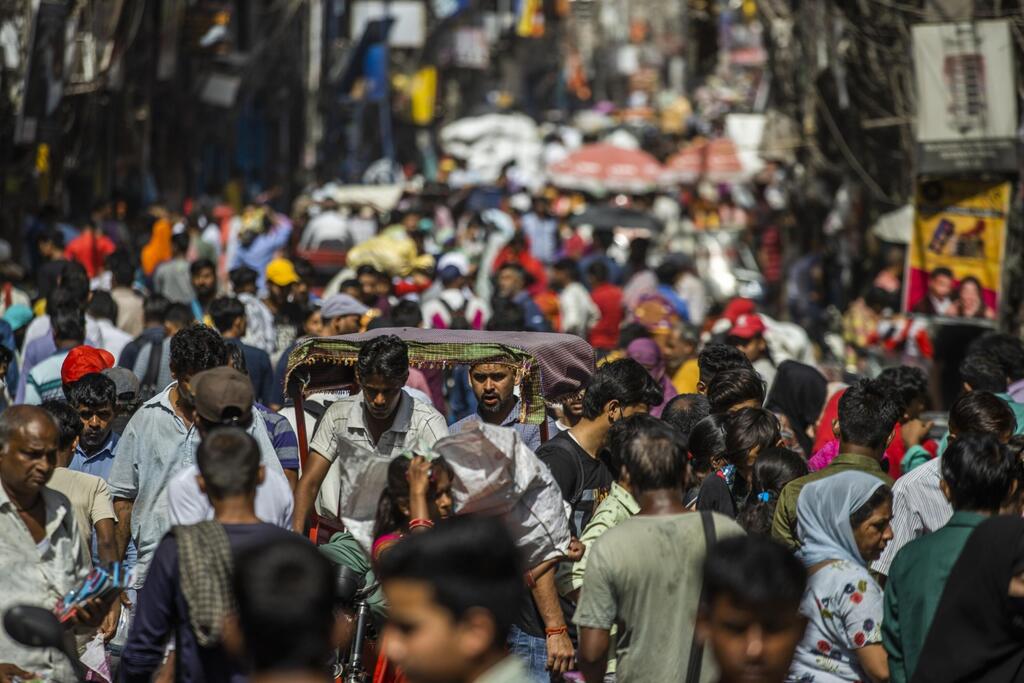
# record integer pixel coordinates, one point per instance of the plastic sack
(497, 474)
(95, 659)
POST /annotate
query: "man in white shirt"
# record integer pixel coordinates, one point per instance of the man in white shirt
(224, 397)
(381, 419)
(327, 228)
(578, 311)
(103, 310)
(161, 440)
(41, 555)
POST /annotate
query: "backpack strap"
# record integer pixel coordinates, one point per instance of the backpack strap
(156, 352)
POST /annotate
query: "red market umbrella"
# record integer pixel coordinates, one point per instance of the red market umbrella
(603, 168)
(687, 165)
(718, 161)
(722, 162)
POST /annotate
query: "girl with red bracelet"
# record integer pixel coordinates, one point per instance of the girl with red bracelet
(418, 495)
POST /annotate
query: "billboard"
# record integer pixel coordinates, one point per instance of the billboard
(966, 97)
(955, 260)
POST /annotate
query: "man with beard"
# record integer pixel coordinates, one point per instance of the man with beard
(94, 397)
(204, 284)
(497, 404)
(511, 283)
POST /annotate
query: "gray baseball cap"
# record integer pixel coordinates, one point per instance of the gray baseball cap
(341, 304)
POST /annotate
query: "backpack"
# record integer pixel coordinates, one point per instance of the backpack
(459, 320)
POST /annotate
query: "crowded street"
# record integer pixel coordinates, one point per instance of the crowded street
(511, 341)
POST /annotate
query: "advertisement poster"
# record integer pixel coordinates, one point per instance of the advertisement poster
(955, 260)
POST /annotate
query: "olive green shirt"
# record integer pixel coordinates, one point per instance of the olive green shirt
(645, 575)
(618, 505)
(784, 523)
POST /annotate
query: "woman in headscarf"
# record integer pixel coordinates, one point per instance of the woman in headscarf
(646, 352)
(796, 397)
(978, 631)
(843, 524)
(158, 249)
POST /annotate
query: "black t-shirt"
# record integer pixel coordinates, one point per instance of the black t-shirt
(715, 496)
(584, 481)
(261, 375)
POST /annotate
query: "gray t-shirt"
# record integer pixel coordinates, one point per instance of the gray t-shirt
(173, 280)
(645, 575)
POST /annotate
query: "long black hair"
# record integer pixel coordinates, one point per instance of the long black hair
(774, 468)
(390, 517)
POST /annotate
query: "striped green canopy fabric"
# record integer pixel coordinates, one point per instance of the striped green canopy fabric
(550, 367)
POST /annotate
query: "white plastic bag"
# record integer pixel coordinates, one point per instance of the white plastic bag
(496, 473)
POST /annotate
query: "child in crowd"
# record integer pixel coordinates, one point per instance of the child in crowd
(775, 467)
(417, 496)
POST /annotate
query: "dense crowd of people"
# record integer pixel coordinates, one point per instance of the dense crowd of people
(739, 509)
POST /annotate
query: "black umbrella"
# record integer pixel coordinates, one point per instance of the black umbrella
(611, 217)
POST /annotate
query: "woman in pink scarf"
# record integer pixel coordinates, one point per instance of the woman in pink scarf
(646, 353)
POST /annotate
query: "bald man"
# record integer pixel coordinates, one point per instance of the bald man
(41, 557)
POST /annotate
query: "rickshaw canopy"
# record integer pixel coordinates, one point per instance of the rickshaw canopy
(549, 367)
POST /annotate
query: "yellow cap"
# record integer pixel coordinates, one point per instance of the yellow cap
(281, 272)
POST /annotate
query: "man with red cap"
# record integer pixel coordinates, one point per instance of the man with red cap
(82, 361)
(747, 335)
(71, 362)
(738, 306)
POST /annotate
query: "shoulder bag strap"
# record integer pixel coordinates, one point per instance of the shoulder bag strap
(156, 351)
(697, 648)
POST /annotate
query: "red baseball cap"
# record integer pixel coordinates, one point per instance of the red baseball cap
(747, 326)
(737, 307)
(82, 361)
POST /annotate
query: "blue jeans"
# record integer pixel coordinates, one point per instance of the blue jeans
(533, 651)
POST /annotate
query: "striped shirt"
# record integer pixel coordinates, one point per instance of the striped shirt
(44, 381)
(918, 508)
(282, 437)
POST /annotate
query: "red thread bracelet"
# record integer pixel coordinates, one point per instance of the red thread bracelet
(557, 631)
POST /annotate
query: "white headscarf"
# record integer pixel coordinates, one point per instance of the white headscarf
(823, 516)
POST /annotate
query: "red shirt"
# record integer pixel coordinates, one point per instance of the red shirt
(605, 334)
(531, 265)
(91, 251)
